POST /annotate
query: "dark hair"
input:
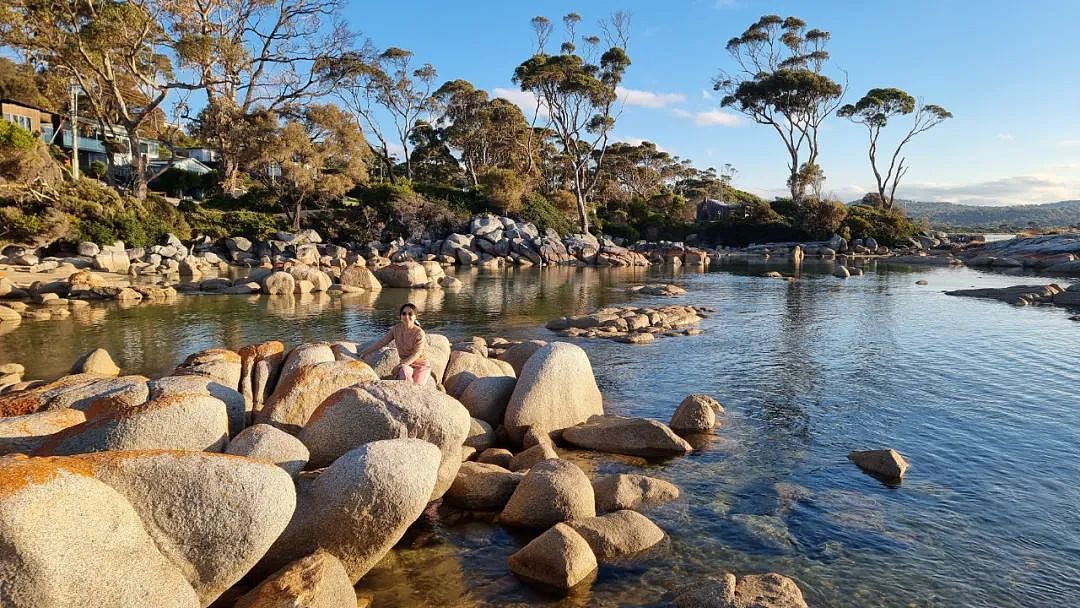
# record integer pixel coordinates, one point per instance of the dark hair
(408, 305)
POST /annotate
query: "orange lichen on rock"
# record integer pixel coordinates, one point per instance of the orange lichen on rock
(19, 471)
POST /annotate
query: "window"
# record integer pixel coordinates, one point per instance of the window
(22, 121)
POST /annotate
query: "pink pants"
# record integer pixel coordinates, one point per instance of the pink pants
(417, 373)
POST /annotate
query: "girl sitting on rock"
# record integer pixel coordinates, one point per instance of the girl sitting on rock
(411, 342)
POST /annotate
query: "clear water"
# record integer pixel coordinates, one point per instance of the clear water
(982, 398)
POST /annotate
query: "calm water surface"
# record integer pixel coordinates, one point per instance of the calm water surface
(980, 396)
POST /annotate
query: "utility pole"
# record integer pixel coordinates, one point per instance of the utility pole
(74, 130)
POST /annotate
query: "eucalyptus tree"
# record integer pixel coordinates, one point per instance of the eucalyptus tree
(372, 84)
(119, 54)
(779, 81)
(578, 92)
(874, 111)
(254, 56)
(488, 133)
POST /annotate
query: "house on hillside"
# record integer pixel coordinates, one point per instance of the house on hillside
(710, 209)
(28, 117)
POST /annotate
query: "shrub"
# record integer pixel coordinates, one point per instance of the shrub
(98, 169)
(821, 218)
(219, 224)
(14, 137)
(466, 201)
(542, 212)
(503, 188)
(887, 226)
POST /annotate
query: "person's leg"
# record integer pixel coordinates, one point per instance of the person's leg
(421, 373)
(405, 372)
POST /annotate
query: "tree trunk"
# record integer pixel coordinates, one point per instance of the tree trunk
(138, 166)
(296, 214)
(230, 174)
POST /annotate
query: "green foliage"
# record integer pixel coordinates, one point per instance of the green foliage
(821, 218)
(255, 199)
(740, 234)
(218, 224)
(540, 211)
(98, 169)
(179, 181)
(503, 188)
(14, 137)
(466, 201)
(887, 226)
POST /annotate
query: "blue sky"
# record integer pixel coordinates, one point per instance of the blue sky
(1006, 70)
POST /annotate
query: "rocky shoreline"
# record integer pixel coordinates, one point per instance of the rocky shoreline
(271, 476)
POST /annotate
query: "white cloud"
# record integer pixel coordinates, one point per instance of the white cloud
(1007, 190)
(648, 99)
(1005, 136)
(522, 99)
(705, 94)
(1069, 142)
(709, 118)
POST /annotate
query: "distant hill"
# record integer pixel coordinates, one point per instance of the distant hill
(1007, 218)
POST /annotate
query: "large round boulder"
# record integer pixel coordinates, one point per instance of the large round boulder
(279, 284)
(631, 436)
(270, 444)
(559, 558)
(174, 422)
(556, 390)
(299, 394)
(403, 274)
(486, 397)
(618, 534)
(314, 581)
(465, 367)
(24, 433)
(552, 491)
(360, 506)
(78, 391)
(482, 487)
(235, 405)
(304, 355)
(68, 540)
(359, 278)
(389, 409)
(696, 414)
(212, 515)
(517, 354)
(220, 364)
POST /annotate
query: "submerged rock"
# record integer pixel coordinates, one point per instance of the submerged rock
(750, 591)
(618, 534)
(628, 491)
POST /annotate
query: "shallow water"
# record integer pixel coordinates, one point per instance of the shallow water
(980, 396)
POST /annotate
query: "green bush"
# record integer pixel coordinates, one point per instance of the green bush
(467, 201)
(540, 211)
(255, 199)
(98, 169)
(219, 224)
(503, 188)
(887, 226)
(14, 137)
(821, 218)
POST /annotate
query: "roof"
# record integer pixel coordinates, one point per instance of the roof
(25, 105)
(184, 164)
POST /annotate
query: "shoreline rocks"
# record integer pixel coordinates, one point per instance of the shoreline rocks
(632, 324)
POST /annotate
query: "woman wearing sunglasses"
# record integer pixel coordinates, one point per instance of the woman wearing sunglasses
(409, 339)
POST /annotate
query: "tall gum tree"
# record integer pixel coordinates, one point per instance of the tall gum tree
(779, 81)
(874, 111)
(579, 96)
(119, 53)
(255, 56)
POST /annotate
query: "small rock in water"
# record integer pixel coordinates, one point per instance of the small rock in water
(922, 282)
(558, 558)
(96, 361)
(696, 414)
(758, 590)
(888, 464)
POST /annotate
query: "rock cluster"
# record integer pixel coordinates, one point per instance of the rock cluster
(1057, 253)
(633, 325)
(1024, 295)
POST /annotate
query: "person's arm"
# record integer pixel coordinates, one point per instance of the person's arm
(381, 342)
(416, 347)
